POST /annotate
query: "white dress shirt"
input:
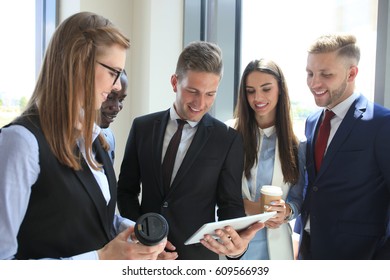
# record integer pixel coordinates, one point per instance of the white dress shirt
(187, 136)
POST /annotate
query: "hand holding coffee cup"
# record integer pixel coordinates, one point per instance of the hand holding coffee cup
(273, 194)
(269, 194)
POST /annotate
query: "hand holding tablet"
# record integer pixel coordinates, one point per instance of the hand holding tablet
(237, 224)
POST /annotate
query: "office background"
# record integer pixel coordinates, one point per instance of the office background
(158, 30)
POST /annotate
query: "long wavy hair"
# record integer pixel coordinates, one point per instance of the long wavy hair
(64, 95)
(247, 125)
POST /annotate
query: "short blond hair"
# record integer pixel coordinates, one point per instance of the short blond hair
(344, 44)
(200, 56)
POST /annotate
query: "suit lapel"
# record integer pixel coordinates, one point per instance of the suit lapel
(354, 113)
(159, 127)
(93, 189)
(311, 130)
(201, 137)
(101, 156)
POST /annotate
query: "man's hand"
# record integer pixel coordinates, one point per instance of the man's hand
(164, 255)
(231, 243)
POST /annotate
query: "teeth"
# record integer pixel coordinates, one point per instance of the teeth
(260, 105)
(193, 109)
(320, 92)
(111, 117)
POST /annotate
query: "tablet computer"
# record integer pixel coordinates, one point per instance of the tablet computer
(237, 224)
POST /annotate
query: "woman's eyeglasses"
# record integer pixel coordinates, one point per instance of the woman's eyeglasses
(117, 72)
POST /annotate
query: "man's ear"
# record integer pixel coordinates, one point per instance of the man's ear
(353, 71)
(174, 82)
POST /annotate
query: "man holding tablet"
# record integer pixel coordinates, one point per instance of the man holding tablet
(206, 171)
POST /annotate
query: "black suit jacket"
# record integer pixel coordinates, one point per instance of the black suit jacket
(209, 176)
(349, 199)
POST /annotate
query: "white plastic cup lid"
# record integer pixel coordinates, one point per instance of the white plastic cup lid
(271, 190)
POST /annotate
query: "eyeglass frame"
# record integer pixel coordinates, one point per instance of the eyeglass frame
(117, 72)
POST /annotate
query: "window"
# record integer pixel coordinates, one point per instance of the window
(17, 56)
(282, 31)
(21, 51)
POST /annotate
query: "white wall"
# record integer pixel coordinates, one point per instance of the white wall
(155, 29)
(387, 68)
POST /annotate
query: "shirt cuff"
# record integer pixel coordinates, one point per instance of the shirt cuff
(236, 256)
(125, 224)
(291, 216)
(93, 255)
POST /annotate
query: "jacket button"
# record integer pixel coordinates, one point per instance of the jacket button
(165, 204)
(315, 189)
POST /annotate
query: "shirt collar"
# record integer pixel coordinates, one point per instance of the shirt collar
(267, 131)
(96, 131)
(342, 108)
(174, 116)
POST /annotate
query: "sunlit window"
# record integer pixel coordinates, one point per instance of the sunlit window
(17, 56)
(282, 30)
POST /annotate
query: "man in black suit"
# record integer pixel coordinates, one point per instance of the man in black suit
(207, 169)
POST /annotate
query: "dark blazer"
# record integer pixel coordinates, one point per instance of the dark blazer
(209, 175)
(349, 199)
(67, 214)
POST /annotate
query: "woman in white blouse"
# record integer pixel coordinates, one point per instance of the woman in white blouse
(273, 155)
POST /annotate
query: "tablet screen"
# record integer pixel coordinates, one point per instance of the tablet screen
(237, 224)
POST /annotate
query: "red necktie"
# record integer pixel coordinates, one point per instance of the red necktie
(170, 155)
(322, 138)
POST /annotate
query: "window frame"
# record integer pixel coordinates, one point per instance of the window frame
(203, 20)
(46, 22)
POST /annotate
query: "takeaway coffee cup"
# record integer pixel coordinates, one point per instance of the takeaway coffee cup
(151, 228)
(268, 194)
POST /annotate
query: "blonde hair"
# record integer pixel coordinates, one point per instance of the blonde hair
(344, 44)
(65, 91)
